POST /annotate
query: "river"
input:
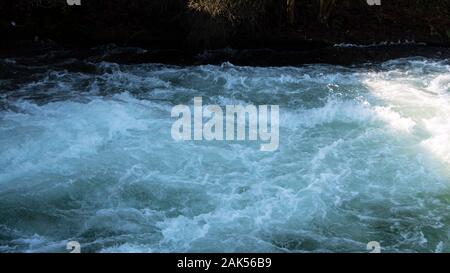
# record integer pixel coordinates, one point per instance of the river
(86, 154)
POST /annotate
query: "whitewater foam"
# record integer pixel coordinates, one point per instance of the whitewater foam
(363, 156)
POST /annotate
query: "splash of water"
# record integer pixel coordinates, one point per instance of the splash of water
(364, 155)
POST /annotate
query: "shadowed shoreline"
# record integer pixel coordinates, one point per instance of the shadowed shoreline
(326, 54)
(243, 32)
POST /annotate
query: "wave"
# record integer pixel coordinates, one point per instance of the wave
(363, 156)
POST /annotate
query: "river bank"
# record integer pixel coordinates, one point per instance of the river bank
(258, 32)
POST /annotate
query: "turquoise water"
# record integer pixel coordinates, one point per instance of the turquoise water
(364, 155)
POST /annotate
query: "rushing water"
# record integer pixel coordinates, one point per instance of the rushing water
(86, 155)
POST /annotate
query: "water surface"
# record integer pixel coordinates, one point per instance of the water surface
(86, 154)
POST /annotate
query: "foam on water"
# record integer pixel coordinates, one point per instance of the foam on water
(364, 156)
